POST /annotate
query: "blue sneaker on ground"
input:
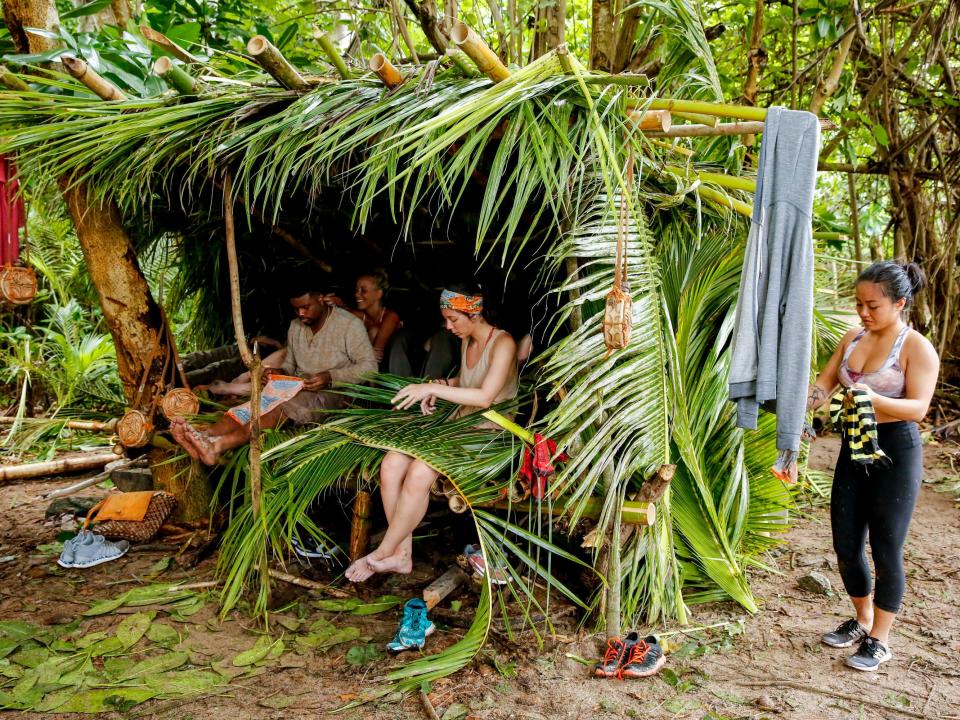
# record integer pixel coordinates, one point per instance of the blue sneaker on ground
(414, 627)
(87, 549)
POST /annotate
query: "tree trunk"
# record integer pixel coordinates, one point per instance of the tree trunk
(133, 317)
(602, 36)
(550, 27)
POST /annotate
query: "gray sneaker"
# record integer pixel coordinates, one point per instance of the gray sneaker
(847, 634)
(88, 549)
(871, 654)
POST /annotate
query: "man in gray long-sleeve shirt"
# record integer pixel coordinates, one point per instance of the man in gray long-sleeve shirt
(325, 345)
(770, 363)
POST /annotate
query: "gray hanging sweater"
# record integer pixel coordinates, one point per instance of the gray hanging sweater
(770, 363)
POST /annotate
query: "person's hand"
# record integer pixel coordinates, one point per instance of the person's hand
(411, 394)
(316, 382)
(428, 406)
(266, 372)
(865, 388)
(333, 299)
(378, 354)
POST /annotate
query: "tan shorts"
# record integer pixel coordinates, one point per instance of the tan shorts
(308, 406)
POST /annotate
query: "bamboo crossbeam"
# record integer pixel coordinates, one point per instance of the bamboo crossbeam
(175, 76)
(103, 88)
(727, 181)
(483, 57)
(12, 81)
(331, 52)
(699, 118)
(89, 425)
(267, 56)
(385, 70)
(742, 112)
(167, 44)
(56, 467)
(659, 120)
(633, 512)
(753, 127)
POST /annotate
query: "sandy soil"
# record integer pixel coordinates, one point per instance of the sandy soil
(768, 665)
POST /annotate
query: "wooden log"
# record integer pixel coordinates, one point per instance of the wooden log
(436, 591)
(175, 76)
(103, 88)
(56, 467)
(483, 57)
(390, 76)
(12, 81)
(272, 60)
(651, 119)
(308, 584)
(90, 425)
(169, 45)
(330, 51)
(360, 526)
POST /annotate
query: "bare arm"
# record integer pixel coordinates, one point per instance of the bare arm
(504, 353)
(921, 368)
(389, 326)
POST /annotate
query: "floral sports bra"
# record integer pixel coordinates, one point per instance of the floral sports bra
(888, 380)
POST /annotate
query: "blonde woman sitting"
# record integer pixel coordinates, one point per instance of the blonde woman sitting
(488, 375)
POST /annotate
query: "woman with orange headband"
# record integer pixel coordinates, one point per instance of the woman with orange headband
(488, 375)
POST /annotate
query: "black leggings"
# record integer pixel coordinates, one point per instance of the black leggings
(880, 500)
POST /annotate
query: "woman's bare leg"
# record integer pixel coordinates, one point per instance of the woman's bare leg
(411, 507)
(393, 468)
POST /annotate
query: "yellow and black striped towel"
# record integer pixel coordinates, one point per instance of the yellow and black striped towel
(853, 416)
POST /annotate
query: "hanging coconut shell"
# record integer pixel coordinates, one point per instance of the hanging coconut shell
(18, 285)
(134, 429)
(617, 319)
(179, 402)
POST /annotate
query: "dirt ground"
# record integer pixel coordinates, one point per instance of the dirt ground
(769, 665)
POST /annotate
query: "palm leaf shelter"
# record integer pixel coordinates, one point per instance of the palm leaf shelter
(541, 172)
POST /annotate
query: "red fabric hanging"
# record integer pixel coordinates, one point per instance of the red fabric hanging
(12, 213)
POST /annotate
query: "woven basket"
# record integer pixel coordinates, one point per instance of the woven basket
(18, 285)
(161, 505)
(617, 319)
(134, 429)
(178, 403)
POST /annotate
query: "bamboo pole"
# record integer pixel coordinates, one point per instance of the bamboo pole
(56, 467)
(12, 81)
(727, 181)
(360, 525)
(752, 127)
(706, 108)
(175, 76)
(462, 61)
(267, 56)
(167, 44)
(331, 52)
(698, 118)
(651, 119)
(103, 88)
(385, 70)
(404, 30)
(89, 425)
(483, 57)
(633, 512)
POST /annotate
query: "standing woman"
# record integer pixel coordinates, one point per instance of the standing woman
(897, 367)
(488, 375)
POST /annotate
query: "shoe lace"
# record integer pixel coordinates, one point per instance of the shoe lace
(614, 648)
(850, 626)
(872, 648)
(638, 654)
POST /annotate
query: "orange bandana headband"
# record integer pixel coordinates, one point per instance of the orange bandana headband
(469, 304)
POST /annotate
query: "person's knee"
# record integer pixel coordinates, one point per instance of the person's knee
(393, 463)
(420, 477)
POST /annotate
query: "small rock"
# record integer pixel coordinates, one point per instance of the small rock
(816, 583)
(765, 702)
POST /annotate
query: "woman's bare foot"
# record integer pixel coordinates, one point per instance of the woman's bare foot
(206, 451)
(400, 562)
(178, 429)
(359, 570)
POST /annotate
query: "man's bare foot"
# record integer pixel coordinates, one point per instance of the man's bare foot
(204, 446)
(400, 562)
(179, 432)
(359, 570)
